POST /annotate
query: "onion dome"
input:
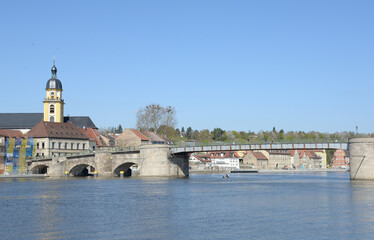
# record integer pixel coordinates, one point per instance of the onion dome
(54, 83)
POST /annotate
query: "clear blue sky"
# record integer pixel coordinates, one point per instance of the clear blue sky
(237, 65)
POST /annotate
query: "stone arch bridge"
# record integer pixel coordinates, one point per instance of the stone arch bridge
(151, 160)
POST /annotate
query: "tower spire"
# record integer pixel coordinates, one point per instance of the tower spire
(54, 69)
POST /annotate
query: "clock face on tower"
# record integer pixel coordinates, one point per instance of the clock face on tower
(52, 93)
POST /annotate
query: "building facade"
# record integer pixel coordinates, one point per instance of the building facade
(255, 159)
(224, 160)
(279, 159)
(58, 139)
(340, 159)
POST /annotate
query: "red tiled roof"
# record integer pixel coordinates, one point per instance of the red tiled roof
(93, 135)
(292, 152)
(11, 133)
(56, 130)
(259, 155)
(311, 154)
(154, 137)
(202, 158)
(140, 135)
(308, 153)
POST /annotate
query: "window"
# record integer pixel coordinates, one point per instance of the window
(43, 145)
(59, 145)
(37, 145)
(52, 119)
(52, 109)
(53, 145)
(72, 146)
(84, 146)
(66, 145)
(77, 145)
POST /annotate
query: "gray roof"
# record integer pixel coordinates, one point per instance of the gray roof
(82, 121)
(19, 120)
(54, 83)
(29, 120)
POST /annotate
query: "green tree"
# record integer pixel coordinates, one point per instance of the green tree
(119, 129)
(217, 134)
(281, 134)
(205, 135)
(290, 137)
(168, 132)
(266, 136)
(243, 135)
(195, 135)
(274, 130)
(189, 133)
(329, 156)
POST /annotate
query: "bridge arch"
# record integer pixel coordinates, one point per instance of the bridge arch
(126, 168)
(81, 166)
(40, 169)
(82, 170)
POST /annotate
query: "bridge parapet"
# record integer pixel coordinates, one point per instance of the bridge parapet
(275, 146)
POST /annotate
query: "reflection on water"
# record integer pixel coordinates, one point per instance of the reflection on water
(245, 206)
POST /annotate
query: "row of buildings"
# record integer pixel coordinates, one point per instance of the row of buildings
(267, 159)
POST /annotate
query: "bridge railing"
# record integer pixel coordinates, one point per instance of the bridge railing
(269, 146)
(256, 142)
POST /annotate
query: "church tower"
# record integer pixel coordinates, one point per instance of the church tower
(53, 103)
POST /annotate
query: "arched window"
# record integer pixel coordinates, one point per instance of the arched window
(52, 119)
(52, 109)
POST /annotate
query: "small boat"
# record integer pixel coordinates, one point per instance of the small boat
(226, 176)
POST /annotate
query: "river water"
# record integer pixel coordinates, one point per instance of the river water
(244, 206)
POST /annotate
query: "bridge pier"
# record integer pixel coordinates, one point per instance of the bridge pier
(361, 158)
(104, 164)
(57, 167)
(158, 161)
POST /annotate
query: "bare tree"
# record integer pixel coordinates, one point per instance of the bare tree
(170, 118)
(153, 116)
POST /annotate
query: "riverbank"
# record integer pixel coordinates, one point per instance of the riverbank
(301, 171)
(24, 176)
(205, 171)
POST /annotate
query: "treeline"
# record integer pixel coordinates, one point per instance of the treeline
(162, 120)
(240, 137)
